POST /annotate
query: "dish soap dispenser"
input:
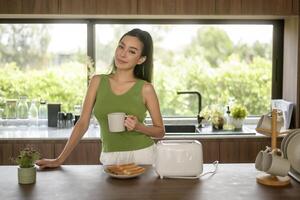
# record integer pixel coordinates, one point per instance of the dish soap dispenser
(228, 124)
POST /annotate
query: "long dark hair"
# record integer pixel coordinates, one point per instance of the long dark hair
(142, 71)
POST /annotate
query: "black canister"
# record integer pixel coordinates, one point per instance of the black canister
(53, 110)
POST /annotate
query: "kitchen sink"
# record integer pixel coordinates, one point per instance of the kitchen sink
(192, 129)
(177, 128)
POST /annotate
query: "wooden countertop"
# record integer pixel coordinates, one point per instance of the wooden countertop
(232, 181)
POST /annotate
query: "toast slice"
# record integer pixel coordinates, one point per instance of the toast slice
(125, 169)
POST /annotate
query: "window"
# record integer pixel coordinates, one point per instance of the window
(225, 62)
(43, 61)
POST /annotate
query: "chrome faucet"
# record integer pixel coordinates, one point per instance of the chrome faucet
(199, 119)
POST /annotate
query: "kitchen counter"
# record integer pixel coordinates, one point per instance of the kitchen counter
(51, 141)
(93, 133)
(232, 181)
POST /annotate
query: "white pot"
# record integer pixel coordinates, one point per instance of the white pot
(237, 123)
(26, 175)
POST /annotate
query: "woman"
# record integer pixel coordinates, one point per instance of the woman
(126, 89)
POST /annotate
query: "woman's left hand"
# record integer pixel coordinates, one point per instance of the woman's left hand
(131, 122)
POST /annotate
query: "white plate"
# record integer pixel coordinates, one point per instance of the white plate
(282, 146)
(286, 142)
(122, 176)
(293, 152)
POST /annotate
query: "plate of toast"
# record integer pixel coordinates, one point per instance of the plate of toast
(124, 171)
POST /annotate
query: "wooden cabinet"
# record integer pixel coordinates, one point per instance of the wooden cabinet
(211, 150)
(176, 7)
(228, 7)
(248, 150)
(158, 7)
(117, 7)
(29, 7)
(296, 6)
(78, 6)
(86, 152)
(40, 7)
(98, 6)
(10, 6)
(6, 153)
(239, 150)
(45, 148)
(153, 7)
(228, 150)
(267, 7)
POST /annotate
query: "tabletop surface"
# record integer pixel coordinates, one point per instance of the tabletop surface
(232, 181)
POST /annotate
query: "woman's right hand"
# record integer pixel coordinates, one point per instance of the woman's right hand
(48, 163)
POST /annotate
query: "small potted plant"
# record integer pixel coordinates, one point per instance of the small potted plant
(213, 114)
(26, 161)
(238, 113)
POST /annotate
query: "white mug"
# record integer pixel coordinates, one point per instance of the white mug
(260, 158)
(275, 164)
(116, 121)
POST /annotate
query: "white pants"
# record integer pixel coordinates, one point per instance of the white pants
(140, 157)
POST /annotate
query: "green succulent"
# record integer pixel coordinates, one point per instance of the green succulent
(238, 111)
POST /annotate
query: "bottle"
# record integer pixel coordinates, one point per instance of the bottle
(228, 121)
(33, 114)
(43, 113)
(22, 108)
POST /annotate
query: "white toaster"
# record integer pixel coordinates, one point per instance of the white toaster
(178, 158)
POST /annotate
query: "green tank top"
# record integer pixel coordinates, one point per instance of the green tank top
(131, 103)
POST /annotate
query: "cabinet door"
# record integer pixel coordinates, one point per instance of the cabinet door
(40, 7)
(117, 7)
(98, 7)
(249, 150)
(78, 6)
(211, 150)
(10, 7)
(228, 7)
(195, 7)
(296, 7)
(6, 153)
(267, 7)
(45, 148)
(146, 7)
(171, 7)
(85, 153)
(229, 151)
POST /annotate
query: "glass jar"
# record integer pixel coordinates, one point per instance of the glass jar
(22, 108)
(33, 114)
(10, 111)
(77, 109)
(43, 111)
(69, 120)
(43, 114)
(61, 120)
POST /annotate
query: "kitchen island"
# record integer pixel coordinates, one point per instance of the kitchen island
(232, 181)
